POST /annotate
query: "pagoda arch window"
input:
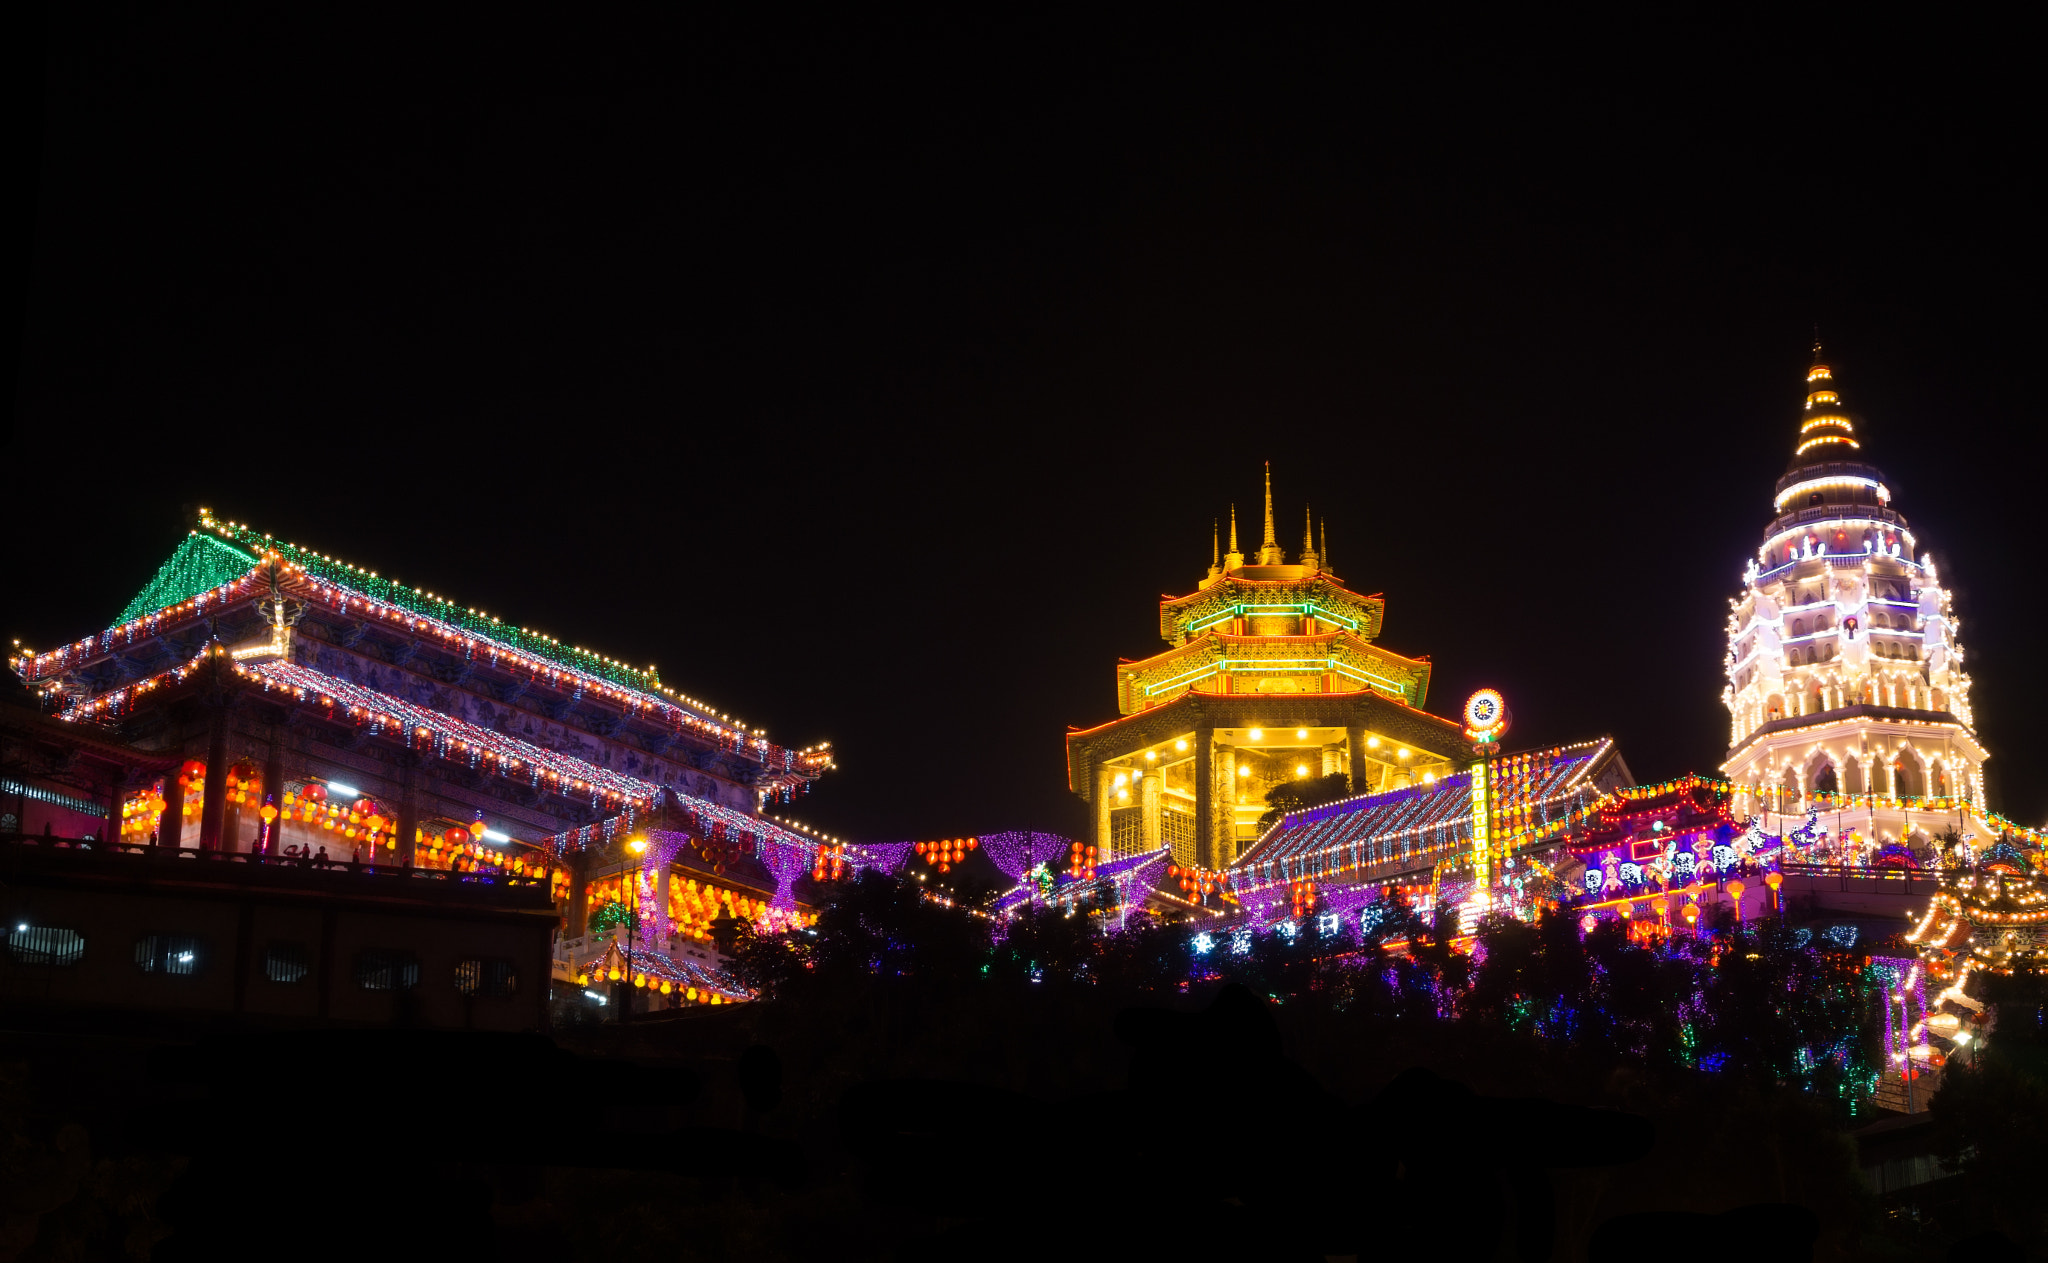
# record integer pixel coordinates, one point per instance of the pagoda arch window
(1774, 708)
(1798, 627)
(1912, 783)
(1825, 781)
(1852, 777)
(1880, 777)
(1940, 700)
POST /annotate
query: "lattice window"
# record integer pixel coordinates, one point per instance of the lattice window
(1177, 831)
(177, 954)
(1125, 830)
(387, 971)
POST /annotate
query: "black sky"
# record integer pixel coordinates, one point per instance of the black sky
(875, 382)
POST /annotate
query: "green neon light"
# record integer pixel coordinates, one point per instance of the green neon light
(1367, 677)
(1309, 609)
(1196, 674)
(1279, 666)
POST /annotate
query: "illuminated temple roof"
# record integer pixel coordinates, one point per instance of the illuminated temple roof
(1380, 835)
(223, 567)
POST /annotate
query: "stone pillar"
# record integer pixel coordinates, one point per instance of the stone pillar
(1361, 771)
(579, 894)
(1207, 844)
(170, 824)
(408, 826)
(1148, 815)
(213, 806)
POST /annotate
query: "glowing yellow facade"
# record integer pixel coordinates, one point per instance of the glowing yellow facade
(1272, 676)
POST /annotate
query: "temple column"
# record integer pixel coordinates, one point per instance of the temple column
(1148, 814)
(1104, 803)
(1354, 736)
(213, 806)
(579, 895)
(170, 823)
(1207, 846)
(408, 826)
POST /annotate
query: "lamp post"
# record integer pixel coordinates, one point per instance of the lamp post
(637, 845)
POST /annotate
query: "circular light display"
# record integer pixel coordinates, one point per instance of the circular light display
(1483, 709)
(1486, 716)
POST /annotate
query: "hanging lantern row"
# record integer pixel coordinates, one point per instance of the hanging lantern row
(1303, 895)
(1196, 883)
(1081, 862)
(721, 846)
(944, 854)
(829, 863)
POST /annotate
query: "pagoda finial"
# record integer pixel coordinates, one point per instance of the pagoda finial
(1324, 551)
(1215, 544)
(1234, 559)
(1269, 550)
(1269, 541)
(1308, 540)
(1825, 431)
(1233, 528)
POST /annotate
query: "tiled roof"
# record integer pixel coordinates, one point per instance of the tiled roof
(1417, 825)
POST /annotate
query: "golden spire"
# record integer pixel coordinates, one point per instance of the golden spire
(1308, 540)
(1324, 551)
(1269, 550)
(1269, 542)
(1215, 546)
(1234, 559)
(1233, 528)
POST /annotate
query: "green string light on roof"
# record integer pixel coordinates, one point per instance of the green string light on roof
(201, 564)
(372, 585)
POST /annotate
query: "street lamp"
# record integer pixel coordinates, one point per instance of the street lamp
(637, 844)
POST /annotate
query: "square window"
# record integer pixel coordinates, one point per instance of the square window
(44, 945)
(287, 962)
(485, 977)
(387, 971)
(175, 954)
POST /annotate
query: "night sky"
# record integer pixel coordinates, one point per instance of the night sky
(876, 382)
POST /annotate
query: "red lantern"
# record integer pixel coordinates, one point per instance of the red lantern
(457, 836)
(972, 843)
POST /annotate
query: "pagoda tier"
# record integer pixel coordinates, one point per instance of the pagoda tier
(1845, 684)
(1270, 676)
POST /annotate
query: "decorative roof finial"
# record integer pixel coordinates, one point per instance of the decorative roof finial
(1308, 540)
(1269, 541)
(1234, 559)
(1269, 549)
(1215, 544)
(1324, 551)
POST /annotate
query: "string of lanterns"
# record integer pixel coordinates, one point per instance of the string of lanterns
(944, 854)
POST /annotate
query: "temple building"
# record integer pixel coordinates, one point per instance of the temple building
(1846, 693)
(262, 702)
(1271, 674)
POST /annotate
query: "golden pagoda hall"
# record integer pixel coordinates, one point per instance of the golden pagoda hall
(1271, 674)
